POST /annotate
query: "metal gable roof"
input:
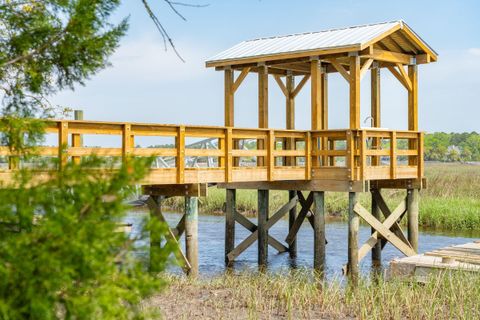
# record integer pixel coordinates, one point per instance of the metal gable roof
(304, 42)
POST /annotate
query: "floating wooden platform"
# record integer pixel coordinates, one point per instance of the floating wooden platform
(464, 257)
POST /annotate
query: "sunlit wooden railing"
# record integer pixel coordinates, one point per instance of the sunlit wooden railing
(273, 155)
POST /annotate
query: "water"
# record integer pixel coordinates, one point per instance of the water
(211, 237)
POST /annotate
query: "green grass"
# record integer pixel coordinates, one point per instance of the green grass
(298, 295)
(451, 200)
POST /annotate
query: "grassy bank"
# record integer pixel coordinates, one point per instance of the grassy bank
(296, 296)
(451, 200)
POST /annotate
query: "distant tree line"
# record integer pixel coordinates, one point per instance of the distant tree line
(452, 147)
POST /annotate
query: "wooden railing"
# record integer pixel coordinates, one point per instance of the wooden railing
(348, 155)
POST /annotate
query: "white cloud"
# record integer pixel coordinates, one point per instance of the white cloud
(474, 51)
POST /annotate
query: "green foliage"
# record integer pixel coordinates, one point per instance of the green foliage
(46, 46)
(452, 147)
(61, 256)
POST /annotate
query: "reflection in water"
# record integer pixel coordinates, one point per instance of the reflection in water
(211, 245)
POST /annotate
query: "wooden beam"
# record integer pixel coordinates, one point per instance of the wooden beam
(413, 98)
(292, 233)
(312, 185)
(300, 85)
(355, 92)
(389, 56)
(353, 226)
(229, 98)
(77, 140)
(180, 159)
(401, 75)
(377, 247)
(240, 78)
(383, 230)
(324, 90)
(365, 67)
(341, 69)
(62, 144)
(175, 190)
(412, 215)
(375, 109)
(316, 94)
(281, 85)
(262, 214)
(263, 97)
(292, 215)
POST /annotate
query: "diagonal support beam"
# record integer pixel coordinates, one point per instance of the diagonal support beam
(405, 81)
(281, 84)
(340, 69)
(180, 228)
(365, 67)
(247, 242)
(240, 78)
(383, 230)
(300, 85)
(181, 258)
(250, 226)
(307, 204)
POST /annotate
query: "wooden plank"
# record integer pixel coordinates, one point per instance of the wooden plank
(390, 56)
(383, 230)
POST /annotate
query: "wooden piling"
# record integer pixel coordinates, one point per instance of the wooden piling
(413, 198)
(319, 231)
(263, 203)
(377, 248)
(353, 226)
(292, 215)
(230, 222)
(155, 240)
(191, 234)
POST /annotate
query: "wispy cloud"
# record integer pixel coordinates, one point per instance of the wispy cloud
(474, 51)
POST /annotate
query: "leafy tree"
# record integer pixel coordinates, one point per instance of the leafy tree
(60, 256)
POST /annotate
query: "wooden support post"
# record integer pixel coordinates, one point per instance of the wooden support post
(355, 92)
(353, 226)
(263, 203)
(375, 109)
(77, 140)
(316, 101)
(191, 234)
(413, 110)
(290, 117)
(413, 198)
(155, 239)
(180, 159)
(292, 215)
(62, 144)
(231, 198)
(324, 112)
(262, 106)
(377, 248)
(229, 98)
(319, 231)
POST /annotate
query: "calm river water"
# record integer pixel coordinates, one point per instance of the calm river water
(211, 231)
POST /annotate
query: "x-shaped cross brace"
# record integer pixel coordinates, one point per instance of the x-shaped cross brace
(254, 229)
(389, 230)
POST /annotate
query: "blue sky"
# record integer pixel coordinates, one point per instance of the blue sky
(147, 84)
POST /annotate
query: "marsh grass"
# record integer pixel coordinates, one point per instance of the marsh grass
(299, 295)
(450, 201)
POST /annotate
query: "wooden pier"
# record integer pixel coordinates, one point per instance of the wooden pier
(464, 258)
(353, 160)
